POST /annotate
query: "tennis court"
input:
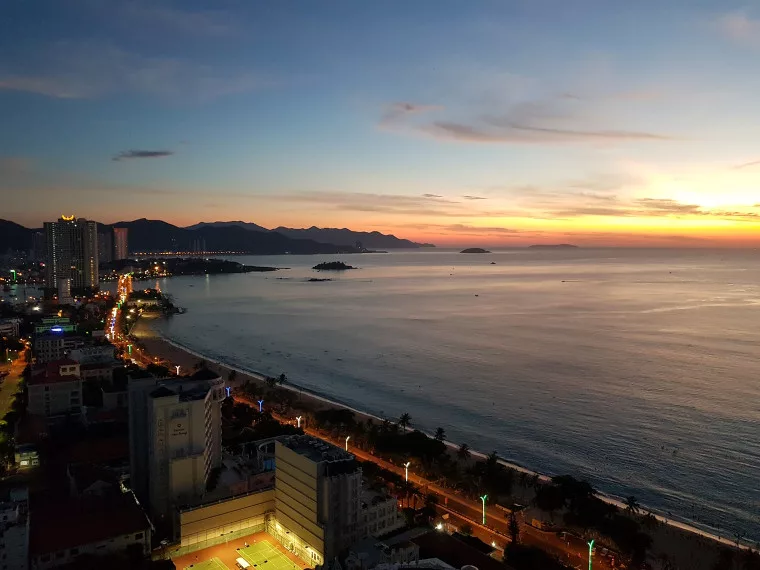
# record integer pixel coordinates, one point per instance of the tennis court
(263, 556)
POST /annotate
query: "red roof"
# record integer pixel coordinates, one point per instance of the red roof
(48, 373)
(76, 522)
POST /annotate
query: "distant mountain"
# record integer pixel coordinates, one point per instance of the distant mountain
(155, 235)
(246, 225)
(343, 236)
(14, 236)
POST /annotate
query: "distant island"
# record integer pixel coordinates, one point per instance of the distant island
(555, 246)
(332, 266)
(474, 250)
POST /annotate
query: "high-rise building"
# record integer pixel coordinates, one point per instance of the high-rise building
(105, 247)
(317, 498)
(120, 243)
(72, 252)
(175, 439)
(38, 251)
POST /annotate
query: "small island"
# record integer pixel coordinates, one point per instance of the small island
(554, 246)
(332, 266)
(474, 250)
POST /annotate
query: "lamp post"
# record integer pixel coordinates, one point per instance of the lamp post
(406, 470)
(298, 419)
(590, 551)
(483, 498)
(177, 367)
(261, 405)
(347, 438)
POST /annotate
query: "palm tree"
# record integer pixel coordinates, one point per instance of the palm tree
(514, 528)
(271, 381)
(463, 452)
(281, 379)
(440, 434)
(632, 505)
(231, 376)
(405, 420)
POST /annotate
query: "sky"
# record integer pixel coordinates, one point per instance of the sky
(509, 122)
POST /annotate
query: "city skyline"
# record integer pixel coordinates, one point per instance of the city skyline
(496, 123)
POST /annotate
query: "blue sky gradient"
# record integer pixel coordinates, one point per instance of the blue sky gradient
(500, 122)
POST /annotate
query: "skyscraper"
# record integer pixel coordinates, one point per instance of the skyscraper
(105, 247)
(72, 252)
(120, 243)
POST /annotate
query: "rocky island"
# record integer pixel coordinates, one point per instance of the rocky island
(474, 250)
(332, 266)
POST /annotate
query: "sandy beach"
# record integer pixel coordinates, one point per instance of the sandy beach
(686, 548)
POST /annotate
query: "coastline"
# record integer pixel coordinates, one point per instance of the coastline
(699, 546)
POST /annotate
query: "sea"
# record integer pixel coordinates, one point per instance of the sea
(636, 369)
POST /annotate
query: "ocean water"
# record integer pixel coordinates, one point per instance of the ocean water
(636, 369)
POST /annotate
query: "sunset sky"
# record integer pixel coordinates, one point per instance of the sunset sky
(597, 122)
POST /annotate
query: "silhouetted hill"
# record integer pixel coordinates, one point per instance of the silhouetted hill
(157, 236)
(14, 236)
(344, 236)
(246, 225)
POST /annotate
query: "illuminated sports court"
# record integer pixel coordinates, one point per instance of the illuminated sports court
(262, 553)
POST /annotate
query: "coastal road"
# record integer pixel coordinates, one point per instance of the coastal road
(464, 510)
(10, 383)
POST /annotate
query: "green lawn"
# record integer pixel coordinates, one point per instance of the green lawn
(264, 556)
(213, 564)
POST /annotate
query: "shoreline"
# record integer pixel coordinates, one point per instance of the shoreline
(153, 335)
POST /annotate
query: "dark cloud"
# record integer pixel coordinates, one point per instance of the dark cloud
(556, 120)
(432, 196)
(126, 154)
(747, 165)
(466, 197)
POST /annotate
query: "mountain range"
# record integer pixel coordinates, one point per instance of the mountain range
(159, 236)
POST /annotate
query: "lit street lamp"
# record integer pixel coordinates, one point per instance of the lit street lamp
(177, 367)
(483, 498)
(347, 438)
(406, 470)
(298, 419)
(261, 405)
(590, 551)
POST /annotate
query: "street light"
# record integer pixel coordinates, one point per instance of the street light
(483, 498)
(590, 551)
(177, 367)
(261, 405)
(347, 438)
(298, 419)
(406, 470)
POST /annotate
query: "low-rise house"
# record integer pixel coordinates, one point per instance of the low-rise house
(55, 389)
(380, 514)
(14, 529)
(63, 531)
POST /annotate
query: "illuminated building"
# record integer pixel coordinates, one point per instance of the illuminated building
(72, 252)
(317, 498)
(64, 291)
(55, 389)
(120, 243)
(175, 439)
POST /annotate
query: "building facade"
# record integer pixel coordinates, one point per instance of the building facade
(120, 243)
(72, 252)
(55, 389)
(105, 247)
(14, 530)
(175, 439)
(317, 498)
(380, 514)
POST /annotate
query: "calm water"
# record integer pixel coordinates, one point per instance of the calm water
(638, 370)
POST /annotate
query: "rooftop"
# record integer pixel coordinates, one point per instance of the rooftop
(436, 544)
(74, 522)
(315, 449)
